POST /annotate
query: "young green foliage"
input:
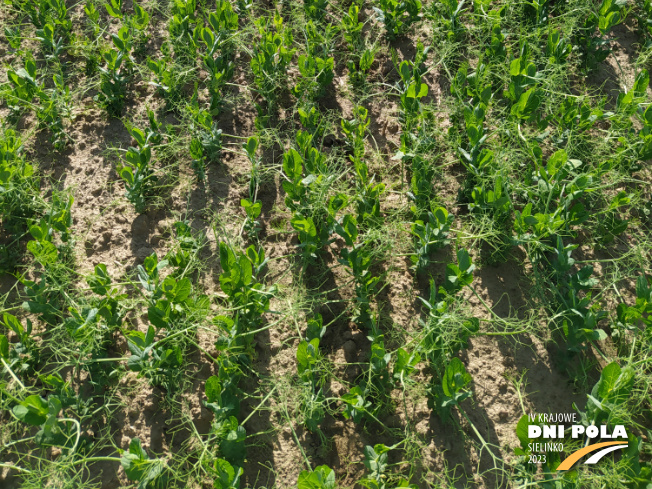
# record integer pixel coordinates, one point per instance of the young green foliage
(149, 473)
(572, 292)
(135, 170)
(429, 236)
(454, 389)
(398, 16)
(271, 56)
(248, 297)
(322, 477)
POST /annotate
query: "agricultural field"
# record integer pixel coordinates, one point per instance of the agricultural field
(319, 245)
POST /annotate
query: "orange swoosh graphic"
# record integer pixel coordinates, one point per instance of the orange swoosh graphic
(575, 456)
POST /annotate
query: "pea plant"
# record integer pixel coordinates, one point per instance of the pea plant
(93, 322)
(181, 27)
(24, 86)
(321, 477)
(320, 39)
(226, 434)
(523, 90)
(496, 49)
(445, 334)
(249, 300)
(352, 28)
(477, 160)
(155, 360)
(398, 16)
(171, 300)
(115, 75)
(309, 361)
(316, 75)
(377, 464)
(15, 40)
(594, 48)
(430, 235)
(378, 381)
(539, 223)
(628, 317)
(138, 24)
(305, 195)
(271, 56)
(217, 58)
(247, 297)
(206, 143)
(632, 102)
(41, 299)
(54, 430)
(141, 468)
(52, 22)
(449, 393)
(92, 25)
(493, 202)
(135, 170)
(369, 397)
(189, 245)
(58, 219)
(578, 316)
(18, 178)
(51, 45)
(411, 88)
(23, 357)
(171, 304)
(360, 66)
(315, 9)
(450, 11)
(114, 8)
(251, 205)
(54, 104)
(574, 117)
(55, 108)
(558, 48)
(164, 80)
(367, 191)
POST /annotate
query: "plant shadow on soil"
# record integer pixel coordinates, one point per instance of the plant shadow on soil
(546, 388)
(463, 462)
(451, 446)
(340, 442)
(605, 78)
(262, 467)
(258, 467)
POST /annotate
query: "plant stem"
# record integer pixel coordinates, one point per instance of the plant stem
(99, 459)
(260, 404)
(15, 467)
(482, 440)
(11, 372)
(296, 439)
(74, 447)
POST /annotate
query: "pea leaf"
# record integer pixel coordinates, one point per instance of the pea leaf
(33, 410)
